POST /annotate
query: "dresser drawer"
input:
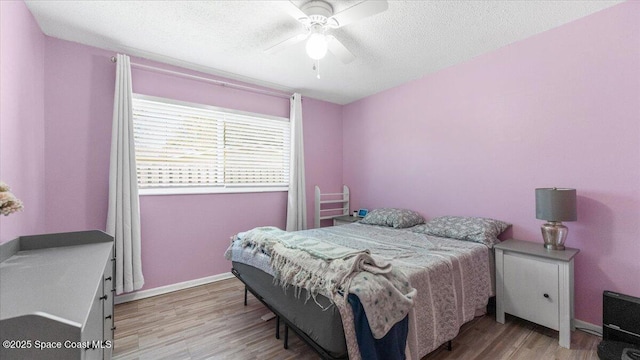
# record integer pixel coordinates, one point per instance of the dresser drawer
(92, 330)
(531, 289)
(108, 287)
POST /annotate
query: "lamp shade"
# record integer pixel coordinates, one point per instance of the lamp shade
(555, 204)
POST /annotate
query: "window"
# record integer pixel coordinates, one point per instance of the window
(192, 148)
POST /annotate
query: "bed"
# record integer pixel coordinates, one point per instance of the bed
(453, 279)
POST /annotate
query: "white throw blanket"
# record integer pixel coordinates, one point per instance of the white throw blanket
(329, 269)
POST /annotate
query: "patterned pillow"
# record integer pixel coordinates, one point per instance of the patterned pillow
(397, 218)
(477, 229)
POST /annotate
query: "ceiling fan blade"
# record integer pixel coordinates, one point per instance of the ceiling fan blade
(339, 50)
(285, 44)
(362, 10)
(295, 12)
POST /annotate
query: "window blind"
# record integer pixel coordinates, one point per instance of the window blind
(182, 145)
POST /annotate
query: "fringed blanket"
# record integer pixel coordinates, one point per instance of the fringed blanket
(333, 270)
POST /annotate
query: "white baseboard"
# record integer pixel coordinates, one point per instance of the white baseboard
(579, 324)
(142, 294)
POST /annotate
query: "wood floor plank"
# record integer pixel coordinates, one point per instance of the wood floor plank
(211, 322)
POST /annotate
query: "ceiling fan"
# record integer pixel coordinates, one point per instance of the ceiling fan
(318, 18)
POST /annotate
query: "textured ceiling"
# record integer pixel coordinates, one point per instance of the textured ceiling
(227, 38)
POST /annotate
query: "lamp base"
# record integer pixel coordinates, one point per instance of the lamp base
(554, 234)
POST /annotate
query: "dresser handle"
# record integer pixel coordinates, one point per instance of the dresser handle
(107, 279)
(546, 296)
(113, 328)
(104, 297)
(108, 317)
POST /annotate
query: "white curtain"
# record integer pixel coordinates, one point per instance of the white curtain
(297, 201)
(123, 218)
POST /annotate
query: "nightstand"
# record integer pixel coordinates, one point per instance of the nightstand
(344, 219)
(536, 284)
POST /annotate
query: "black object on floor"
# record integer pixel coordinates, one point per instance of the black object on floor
(617, 350)
(621, 327)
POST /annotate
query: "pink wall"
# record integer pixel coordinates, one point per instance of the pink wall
(183, 237)
(558, 109)
(322, 147)
(22, 118)
(79, 86)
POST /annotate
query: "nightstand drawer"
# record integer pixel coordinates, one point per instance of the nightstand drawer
(531, 289)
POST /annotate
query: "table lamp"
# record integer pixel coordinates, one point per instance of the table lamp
(555, 205)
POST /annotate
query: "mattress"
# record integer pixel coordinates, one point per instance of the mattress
(453, 278)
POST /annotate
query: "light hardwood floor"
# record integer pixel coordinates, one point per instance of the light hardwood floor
(211, 322)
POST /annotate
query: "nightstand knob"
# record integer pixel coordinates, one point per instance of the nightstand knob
(546, 295)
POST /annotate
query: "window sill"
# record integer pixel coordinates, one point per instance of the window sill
(210, 190)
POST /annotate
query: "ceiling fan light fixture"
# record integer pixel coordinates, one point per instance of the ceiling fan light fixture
(317, 46)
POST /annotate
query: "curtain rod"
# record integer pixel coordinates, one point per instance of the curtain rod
(217, 82)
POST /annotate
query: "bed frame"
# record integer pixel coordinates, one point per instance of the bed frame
(301, 317)
(325, 324)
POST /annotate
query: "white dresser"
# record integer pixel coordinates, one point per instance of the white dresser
(536, 284)
(56, 296)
